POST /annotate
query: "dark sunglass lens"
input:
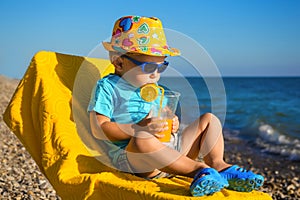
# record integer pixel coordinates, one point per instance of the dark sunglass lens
(150, 68)
(162, 68)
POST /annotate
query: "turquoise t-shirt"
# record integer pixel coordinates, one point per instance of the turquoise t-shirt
(118, 100)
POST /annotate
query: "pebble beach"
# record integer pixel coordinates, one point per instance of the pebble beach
(20, 177)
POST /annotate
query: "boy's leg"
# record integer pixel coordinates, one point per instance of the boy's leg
(205, 136)
(208, 139)
(146, 153)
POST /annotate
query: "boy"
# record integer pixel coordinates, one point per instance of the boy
(122, 119)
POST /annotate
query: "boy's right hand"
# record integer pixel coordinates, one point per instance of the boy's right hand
(153, 125)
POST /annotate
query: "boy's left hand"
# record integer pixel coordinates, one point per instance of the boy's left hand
(175, 124)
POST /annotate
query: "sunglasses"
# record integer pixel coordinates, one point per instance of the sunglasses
(149, 67)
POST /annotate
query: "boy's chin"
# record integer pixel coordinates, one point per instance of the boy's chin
(148, 83)
(138, 85)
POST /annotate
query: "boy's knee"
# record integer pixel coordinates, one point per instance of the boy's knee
(209, 117)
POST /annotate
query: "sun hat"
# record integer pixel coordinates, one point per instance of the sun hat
(138, 34)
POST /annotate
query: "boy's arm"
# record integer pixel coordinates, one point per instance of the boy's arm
(104, 129)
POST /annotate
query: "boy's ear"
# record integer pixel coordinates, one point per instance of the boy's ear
(117, 61)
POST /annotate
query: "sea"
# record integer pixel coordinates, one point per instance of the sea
(262, 110)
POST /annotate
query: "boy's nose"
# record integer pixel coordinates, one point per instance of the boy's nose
(154, 74)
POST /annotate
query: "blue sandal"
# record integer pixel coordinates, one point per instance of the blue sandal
(207, 181)
(242, 180)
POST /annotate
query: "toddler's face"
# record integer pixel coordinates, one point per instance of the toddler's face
(135, 75)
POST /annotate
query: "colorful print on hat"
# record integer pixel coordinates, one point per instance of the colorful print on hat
(137, 34)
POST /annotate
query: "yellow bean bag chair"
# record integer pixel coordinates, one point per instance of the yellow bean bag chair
(48, 115)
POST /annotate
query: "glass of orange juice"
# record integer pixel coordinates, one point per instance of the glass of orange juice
(165, 109)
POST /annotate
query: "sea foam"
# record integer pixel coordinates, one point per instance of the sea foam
(272, 141)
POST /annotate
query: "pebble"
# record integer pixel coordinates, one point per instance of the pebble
(20, 177)
(281, 175)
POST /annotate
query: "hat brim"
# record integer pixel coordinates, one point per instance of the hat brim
(164, 52)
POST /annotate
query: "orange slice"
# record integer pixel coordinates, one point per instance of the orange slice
(149, 92)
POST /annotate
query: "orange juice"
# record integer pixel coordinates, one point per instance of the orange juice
(167, 133)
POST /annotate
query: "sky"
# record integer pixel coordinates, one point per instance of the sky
(243, 37)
